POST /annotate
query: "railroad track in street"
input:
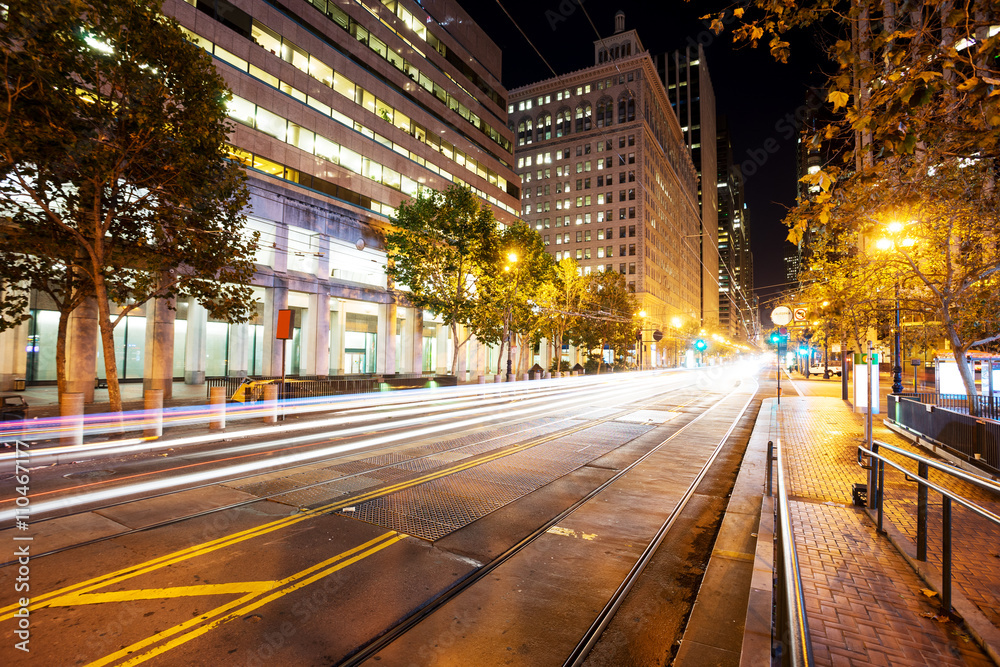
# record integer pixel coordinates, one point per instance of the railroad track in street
(390, 533)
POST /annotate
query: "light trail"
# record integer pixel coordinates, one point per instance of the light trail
(416, 428)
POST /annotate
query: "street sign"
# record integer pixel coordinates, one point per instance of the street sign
(657, 335)
(799, 314)
(783, 331)
(781, 315)
(835, 348)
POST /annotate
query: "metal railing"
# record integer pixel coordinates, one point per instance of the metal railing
(975, 439)
(791, 624)
(876, 496)
(986, 405)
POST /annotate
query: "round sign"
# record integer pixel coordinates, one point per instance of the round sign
(781, 315)
(799, 314)
(657, 335)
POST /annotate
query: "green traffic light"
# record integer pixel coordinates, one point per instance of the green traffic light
(775, 338)
(700, 345)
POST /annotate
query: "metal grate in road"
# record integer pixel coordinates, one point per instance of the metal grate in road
(436, 508)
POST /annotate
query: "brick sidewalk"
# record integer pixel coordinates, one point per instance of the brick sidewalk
(864, 603)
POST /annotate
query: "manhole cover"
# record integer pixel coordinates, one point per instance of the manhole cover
(89, 474)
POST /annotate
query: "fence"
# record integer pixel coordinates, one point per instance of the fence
(876, 465)
(975, 439)
(308, 386)
(986, 406)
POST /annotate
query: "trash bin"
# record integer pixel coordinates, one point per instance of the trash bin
(19, 384)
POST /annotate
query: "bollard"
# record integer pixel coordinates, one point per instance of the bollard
(71, 411)
(525, 378)
(217, 412)
(510, 377)
(482, 379)
(496, 379)
(537, 375)
(270, 404)
(547, 375)
(153, 403)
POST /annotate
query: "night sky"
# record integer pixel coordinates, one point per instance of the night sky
(754, 91)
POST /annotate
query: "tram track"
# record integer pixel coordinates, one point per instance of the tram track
(581, 399)
(463, 584)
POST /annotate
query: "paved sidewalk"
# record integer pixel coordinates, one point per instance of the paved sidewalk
(864, 603)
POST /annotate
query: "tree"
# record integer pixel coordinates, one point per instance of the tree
(916, 101)
(114, 130)
(609, 314)
(560, 303)
(508, 294)
(441, 246)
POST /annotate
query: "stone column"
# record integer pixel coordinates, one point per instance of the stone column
(417, 341)
(13, 355)
(441, 342)
(316, 335)
(463, 354)
(158, 362)
(275, 299)
(404, 347)
(81, 350)
(337, 339)
(545, 347)
(239, 350)
(386, 357)
(194, 345)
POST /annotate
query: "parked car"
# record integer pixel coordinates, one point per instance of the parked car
(12, 407)
(817, 369)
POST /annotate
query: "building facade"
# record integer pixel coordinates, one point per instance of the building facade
(341, 110)
(688, 85)
(738, 316)
(608, 180)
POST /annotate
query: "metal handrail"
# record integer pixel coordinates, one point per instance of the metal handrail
(947, 497)
(800, 645)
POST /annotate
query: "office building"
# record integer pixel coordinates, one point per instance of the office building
(342, 111)
(608, 180)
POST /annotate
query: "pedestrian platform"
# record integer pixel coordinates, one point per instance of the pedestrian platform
(865, 604)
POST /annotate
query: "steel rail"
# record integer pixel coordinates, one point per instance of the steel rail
(457, 587)
(176, 520)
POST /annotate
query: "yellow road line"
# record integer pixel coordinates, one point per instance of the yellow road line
(196, 627)
(74, 599)
(109, 579)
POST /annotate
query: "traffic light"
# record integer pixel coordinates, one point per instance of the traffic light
(775, 338)
(700, 345)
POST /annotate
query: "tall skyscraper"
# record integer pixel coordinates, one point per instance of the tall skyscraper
(608, 179)
(737, 314)
(686, 79)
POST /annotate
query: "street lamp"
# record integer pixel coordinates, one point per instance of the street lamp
(512, 258)
(638, 338)
(893, 243)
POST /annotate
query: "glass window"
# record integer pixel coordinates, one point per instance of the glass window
(294, 55)
(270, 123)
(320, 70)
(343, 85)
(266, 37)
(300, 137)
(241, 110)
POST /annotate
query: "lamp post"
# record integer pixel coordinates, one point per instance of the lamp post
(639, 338)
(892, 244)
(512, 258)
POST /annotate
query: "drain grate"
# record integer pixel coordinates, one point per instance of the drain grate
(436, 508)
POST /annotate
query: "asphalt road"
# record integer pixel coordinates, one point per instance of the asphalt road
(304, 542)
